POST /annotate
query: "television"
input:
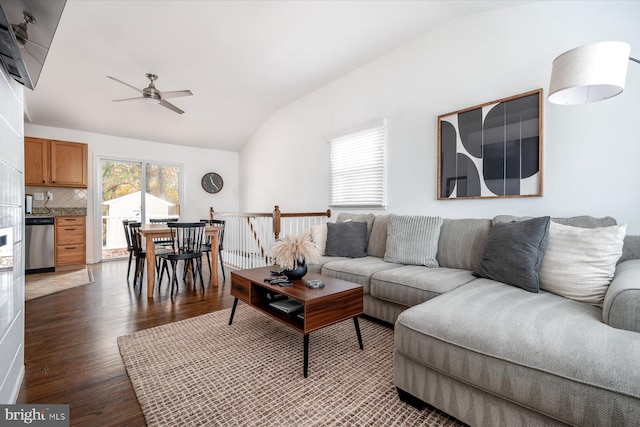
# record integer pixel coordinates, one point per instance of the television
(26, 32)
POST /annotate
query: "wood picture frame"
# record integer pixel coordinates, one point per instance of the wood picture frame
(492, 150)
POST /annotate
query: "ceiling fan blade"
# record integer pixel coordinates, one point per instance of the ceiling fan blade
(175, 94)
(128, 99)
(126, 84)
(171, 106)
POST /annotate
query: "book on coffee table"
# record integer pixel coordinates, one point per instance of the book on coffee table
(288, 305)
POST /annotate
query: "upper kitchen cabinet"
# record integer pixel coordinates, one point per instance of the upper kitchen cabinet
(55, 163)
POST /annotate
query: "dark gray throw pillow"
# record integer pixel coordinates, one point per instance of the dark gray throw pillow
(347, 239)
(514, 251)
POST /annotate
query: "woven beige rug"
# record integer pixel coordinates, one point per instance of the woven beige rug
(201, 371)
(41, 284)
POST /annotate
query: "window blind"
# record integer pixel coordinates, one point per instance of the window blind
(358, 176)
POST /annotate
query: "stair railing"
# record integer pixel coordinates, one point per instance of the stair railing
(249, 237)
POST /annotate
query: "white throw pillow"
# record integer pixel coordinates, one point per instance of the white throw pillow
(319, 237)
(579, 263)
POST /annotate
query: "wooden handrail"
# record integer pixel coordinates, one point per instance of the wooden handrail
(277, 216)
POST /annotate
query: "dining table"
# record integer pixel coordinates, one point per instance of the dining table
(155, 231)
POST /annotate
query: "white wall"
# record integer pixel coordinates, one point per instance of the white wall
(591, 152)
(11, 225)
(196, 162)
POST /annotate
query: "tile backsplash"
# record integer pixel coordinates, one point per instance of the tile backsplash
(62, 197)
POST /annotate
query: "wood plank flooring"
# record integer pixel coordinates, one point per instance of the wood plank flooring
(71, 354)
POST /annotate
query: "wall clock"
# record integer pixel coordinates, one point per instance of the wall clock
(212, 182)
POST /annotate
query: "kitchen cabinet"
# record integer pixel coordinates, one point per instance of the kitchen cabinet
(70, 238)
(52, 163)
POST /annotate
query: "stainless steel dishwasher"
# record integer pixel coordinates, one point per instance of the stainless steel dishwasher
(39, 244)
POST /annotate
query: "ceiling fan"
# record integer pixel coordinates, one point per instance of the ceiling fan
(22, 35)
(151, 94)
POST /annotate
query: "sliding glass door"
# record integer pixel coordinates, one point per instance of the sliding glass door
(122, 198)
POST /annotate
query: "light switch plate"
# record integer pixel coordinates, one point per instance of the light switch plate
(38, 196)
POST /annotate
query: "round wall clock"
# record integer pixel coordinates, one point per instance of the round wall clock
(212, 182)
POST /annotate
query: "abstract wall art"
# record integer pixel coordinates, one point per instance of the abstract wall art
(492, 150)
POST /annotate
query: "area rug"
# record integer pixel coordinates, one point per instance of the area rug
(41, 284)
(202, 371)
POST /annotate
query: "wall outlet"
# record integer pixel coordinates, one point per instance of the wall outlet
(38, 196)
(49, 195)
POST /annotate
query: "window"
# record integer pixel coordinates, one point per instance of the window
(357, 160)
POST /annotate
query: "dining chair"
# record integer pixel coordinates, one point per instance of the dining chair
(187, 241)
(127, 236)
(140, 254)
(207, 244)
(161, 242)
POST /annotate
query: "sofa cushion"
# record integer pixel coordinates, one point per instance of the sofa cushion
(346, 239)
(317, 267)
(413, 240)
(514, 253)
(358, 270)
(579, 263)
(462, 242)
(412, 285)
(543, 351)
(377, 244)
(319, 237)
(583, 221)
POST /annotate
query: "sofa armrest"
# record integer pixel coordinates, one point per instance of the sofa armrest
(622, 301)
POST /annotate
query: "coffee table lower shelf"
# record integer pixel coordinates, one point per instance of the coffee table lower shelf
(338, 301)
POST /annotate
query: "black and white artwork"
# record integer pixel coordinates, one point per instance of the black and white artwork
(492, 150)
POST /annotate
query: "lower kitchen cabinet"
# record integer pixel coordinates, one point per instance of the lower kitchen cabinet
(71, 237)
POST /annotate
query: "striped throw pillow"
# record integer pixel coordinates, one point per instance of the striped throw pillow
(413, 240)
(579, 263)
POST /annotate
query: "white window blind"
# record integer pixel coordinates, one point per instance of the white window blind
(358, 177)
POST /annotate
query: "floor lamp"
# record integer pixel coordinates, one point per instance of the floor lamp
(590, 73)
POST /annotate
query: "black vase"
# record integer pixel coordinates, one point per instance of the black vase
(297, 272)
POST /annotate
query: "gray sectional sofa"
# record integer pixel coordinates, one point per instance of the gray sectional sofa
(489, 353)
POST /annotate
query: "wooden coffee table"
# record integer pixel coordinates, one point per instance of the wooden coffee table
(339, 300)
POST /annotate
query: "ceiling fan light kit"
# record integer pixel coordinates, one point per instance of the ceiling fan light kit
(152, 95)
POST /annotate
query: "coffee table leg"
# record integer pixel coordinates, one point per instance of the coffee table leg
(233, 310)
(306, 354)
(355, 322)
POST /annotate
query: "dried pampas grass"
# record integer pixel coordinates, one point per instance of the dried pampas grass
(291, 250)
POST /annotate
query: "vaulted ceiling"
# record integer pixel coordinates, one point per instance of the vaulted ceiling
(243, 60)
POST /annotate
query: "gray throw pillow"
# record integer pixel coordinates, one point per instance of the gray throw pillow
(348, 239)
(514, 252)
(413, 240)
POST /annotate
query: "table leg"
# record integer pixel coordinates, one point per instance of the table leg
(233, 310)
(355, 322)
(306, 355)
(214, 259)
(151, 265)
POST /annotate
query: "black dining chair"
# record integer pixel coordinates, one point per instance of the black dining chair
(187, 240)
(127, 236)
(162, 242)
(207, 244)
(140, 253)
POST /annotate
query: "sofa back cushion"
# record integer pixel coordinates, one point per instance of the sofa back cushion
(378, 238)
(462, 242)
(584, 221)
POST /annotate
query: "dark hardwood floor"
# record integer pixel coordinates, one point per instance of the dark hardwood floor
(71, 354)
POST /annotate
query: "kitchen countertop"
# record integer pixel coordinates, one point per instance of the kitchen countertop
(58, 212)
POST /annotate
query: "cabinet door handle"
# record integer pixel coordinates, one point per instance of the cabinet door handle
(70, 229)
(68, 248)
